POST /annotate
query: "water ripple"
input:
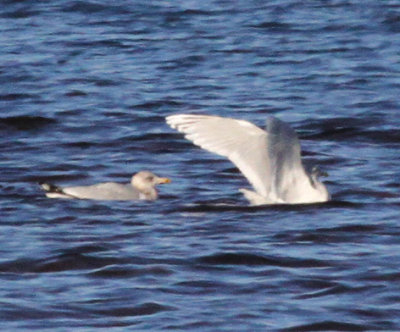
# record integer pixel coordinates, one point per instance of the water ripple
(85, 89)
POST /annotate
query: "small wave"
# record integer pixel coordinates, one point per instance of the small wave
(327, 326)
(273, 26)
(150, 105)
(340, 234)
(117, 271)
(145, 309)
(334, 290)
(84, 7)
(75, 93)
(62, 262)
(26, 122)
(252, 259)
(344, 129)
(108, 43)
(342, 134)
(20, 13)
(16, 96)
(392, 22)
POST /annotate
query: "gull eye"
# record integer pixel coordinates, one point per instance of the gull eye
(149, 178)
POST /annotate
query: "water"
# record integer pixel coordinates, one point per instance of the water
(84, 90)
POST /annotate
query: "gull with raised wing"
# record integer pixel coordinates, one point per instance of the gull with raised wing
(141, 187)
(270, 159)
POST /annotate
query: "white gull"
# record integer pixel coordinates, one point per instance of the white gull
(270, 159)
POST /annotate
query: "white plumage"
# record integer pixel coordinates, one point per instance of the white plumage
(270, 159)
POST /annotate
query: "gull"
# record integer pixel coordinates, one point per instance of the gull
(141, 187)
(270, 159)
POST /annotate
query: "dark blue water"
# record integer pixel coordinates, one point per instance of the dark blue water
(84, 90)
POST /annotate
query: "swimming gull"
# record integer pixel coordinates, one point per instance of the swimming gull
(270, 159)
(141, 187)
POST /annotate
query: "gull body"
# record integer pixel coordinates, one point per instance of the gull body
(270, 159)
(141, 187)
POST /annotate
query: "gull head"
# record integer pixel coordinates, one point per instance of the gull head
(145, 182)
(315, 174)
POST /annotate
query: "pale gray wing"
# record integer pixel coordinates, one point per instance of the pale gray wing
(285, 155)
(242, 142)
(104, 191)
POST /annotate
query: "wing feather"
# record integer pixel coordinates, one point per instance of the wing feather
(240, 141)
(285, 155)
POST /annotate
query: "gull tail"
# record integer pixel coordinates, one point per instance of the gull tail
(53, 191)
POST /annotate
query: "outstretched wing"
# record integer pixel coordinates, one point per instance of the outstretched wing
(240, 141)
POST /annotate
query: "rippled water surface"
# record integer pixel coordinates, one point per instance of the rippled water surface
(84, 90)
